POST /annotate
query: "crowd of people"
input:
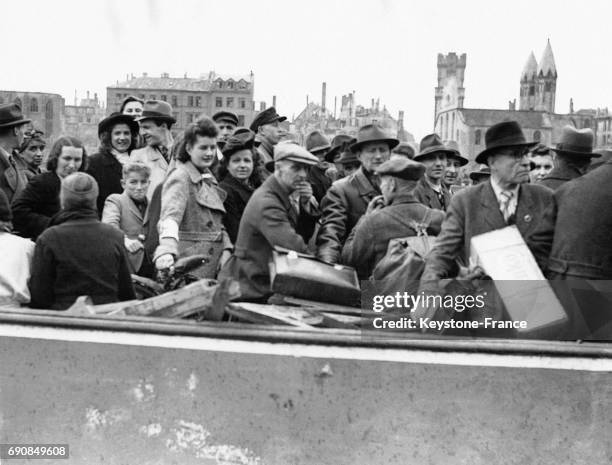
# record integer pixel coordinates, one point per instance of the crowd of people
(82, 224)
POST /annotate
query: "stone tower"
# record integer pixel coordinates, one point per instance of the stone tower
(527, 99)
(546, 81)
(450, 91)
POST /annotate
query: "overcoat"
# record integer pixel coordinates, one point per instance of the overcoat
(238, 195)
(428, 197)
(475, 210)
(269, 220)
(107, 171)
(558, 176)
(12, 180)
(345, 202)
(36, 205)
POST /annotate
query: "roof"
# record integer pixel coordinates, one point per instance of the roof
(203, 83)
(531, 68)
(547, 63)
(487, 118)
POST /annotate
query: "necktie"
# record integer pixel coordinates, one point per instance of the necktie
(164, 151)
(506, 197)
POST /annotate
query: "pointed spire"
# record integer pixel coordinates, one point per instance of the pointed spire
(530, 69)
(547, 63)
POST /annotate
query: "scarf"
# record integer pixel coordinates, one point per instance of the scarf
(121, 157)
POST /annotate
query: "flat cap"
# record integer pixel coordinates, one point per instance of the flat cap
(267, 116)
(402, 168)
(226, 116)
(291, 151)
(404, 148)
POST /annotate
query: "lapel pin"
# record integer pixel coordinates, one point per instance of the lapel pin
(527, 218)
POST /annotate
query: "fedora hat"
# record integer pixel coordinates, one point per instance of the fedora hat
(157, 110)
(317, 142)
(502, 135)
(243, 140)
(10, 115)
(405, 149)
(431, 143)
(338, 144)
(456, 153)
(117, 118)
(267, 116)
(372, 133)
(576, 142)
(483, 172)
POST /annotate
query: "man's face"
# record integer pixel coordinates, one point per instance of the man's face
(272, 132)
(373, 154)
(136, 185)
(435, 166)
(134, 109)
(226, 129)
(452, 171)
(291, 174)
(543, 166)
(510, 166)
(121, 137)
(19, 132)
(153, 134)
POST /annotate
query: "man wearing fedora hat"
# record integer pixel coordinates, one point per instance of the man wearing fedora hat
(431, 190)
(572, 157)
(280, 213)
(155, 124)
(12, 128)
(347, 199)
(268, 133)
(368, 242)
(454, 161)
(506, 199)
(319, 176)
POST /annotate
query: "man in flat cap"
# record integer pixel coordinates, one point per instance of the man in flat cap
(572, 157)
(347, 199)
(396, 218)
(268, 133)
(282, 212)
(431, 190)
(155, 123)
(506, 199)
(226, 122)
(12, 129)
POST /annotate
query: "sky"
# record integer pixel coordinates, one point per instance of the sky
(384, 49)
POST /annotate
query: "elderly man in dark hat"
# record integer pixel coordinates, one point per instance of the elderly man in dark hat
(348, 198)
(369, 240)
(280, 213)
(155, 124)
(12, 129)
(431, 190)
(79, 255)
(454, 162)
(268, 133)
(506, 199)
(572, 157)
(226, 122)
(319, 176)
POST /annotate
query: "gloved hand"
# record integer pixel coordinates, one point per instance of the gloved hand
(132, 245)
(164, 261)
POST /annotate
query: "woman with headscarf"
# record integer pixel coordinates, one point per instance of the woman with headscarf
(29, 155)
(117, 135)
(34, 208)
(191, 219)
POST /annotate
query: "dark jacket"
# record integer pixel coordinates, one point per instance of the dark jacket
(150, 222)
(345, 202)
(80, 256)
(424, 193)
(36, 205)
(269, 220)
(26, 169)
(559, 175)
(238, 195)
(12, 180)
(368, 242)
(107, 171)
(475, 210)
(319, 181)
(582, 246)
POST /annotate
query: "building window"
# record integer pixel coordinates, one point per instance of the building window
(587, 123)
(119, 96)
(164, 98)
(218, 102)
(229, 102)
(531, 90)
(242, 103)
(240, 120)
(548, 86)
(1, 100)
(153, 97)
(537, 136)
(174, 101)
(477, 136)
(198, 101)
(230, 84)
(34, 105)
(190, 101)
(190, 117)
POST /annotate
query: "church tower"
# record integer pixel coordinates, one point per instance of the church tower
(528, 84)
(546, 81)
(450, 91)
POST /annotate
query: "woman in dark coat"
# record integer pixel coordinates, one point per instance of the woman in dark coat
(35, 206)
(118, 134)
(29, 156)
(238, 178)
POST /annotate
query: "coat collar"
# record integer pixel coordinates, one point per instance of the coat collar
(243, 190)
(404, 198)
(564, 173)
(492, 213)
(363, 184)
(195, 175)
(132, 206)
(274, 186)
(109, 159)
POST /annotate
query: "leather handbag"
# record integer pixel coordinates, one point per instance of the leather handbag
(306, 277)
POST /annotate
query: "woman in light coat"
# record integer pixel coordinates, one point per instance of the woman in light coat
(191, 219)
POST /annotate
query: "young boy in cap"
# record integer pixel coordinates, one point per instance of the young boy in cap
(268, 133)
(226, 122)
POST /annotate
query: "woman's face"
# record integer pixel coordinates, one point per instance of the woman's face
(202, 152)
(121, 137)
(134, 109)
(33, 154)
(240, 165)
(69, 161)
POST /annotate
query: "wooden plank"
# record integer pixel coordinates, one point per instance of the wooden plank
(330, 308)
(274, 314)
